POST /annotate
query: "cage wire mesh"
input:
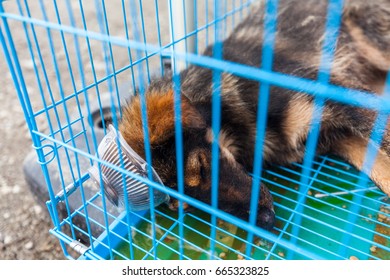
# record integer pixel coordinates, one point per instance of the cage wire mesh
(79, 61)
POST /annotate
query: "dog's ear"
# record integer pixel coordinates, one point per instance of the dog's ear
(161, 119)
(234, 189)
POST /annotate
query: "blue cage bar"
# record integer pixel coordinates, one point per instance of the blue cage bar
(74, 63)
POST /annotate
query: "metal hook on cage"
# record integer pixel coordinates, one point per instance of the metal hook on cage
(52, 152)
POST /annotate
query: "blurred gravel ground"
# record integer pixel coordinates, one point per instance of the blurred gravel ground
(24, 224)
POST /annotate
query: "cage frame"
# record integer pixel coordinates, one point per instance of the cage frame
(320, 89)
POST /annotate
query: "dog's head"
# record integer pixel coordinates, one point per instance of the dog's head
(161, 132)
(234, 189)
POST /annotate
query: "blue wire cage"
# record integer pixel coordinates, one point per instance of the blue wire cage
(74, 63)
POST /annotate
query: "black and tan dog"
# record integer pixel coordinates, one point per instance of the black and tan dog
(362, 58)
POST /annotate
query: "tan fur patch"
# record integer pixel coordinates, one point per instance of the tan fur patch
(308, 20)
(160, 117)
(174, 205)
(229, 83)
(344, 57)
(271, 143)
(226, 144)
(192, 176)
(366, 49)
(378, 86)
(298, 118)
(197, 170)
(230, 92)
(247, 33)
(354, 150)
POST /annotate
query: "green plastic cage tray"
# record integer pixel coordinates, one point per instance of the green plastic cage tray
(333, 220)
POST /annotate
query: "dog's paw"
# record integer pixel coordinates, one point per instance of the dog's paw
(174, 205)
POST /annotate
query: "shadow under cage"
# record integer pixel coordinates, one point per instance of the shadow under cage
(76, 65)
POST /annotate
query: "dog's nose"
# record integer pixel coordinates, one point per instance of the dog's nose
(265, 218)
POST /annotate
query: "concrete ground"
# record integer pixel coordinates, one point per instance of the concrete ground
(24, 223)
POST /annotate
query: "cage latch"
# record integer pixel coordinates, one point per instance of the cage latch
(78, 247)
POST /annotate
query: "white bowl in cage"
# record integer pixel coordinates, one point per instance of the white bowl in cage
(117, 185)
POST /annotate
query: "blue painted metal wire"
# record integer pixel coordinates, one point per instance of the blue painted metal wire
(270, 21)
(325, 209)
